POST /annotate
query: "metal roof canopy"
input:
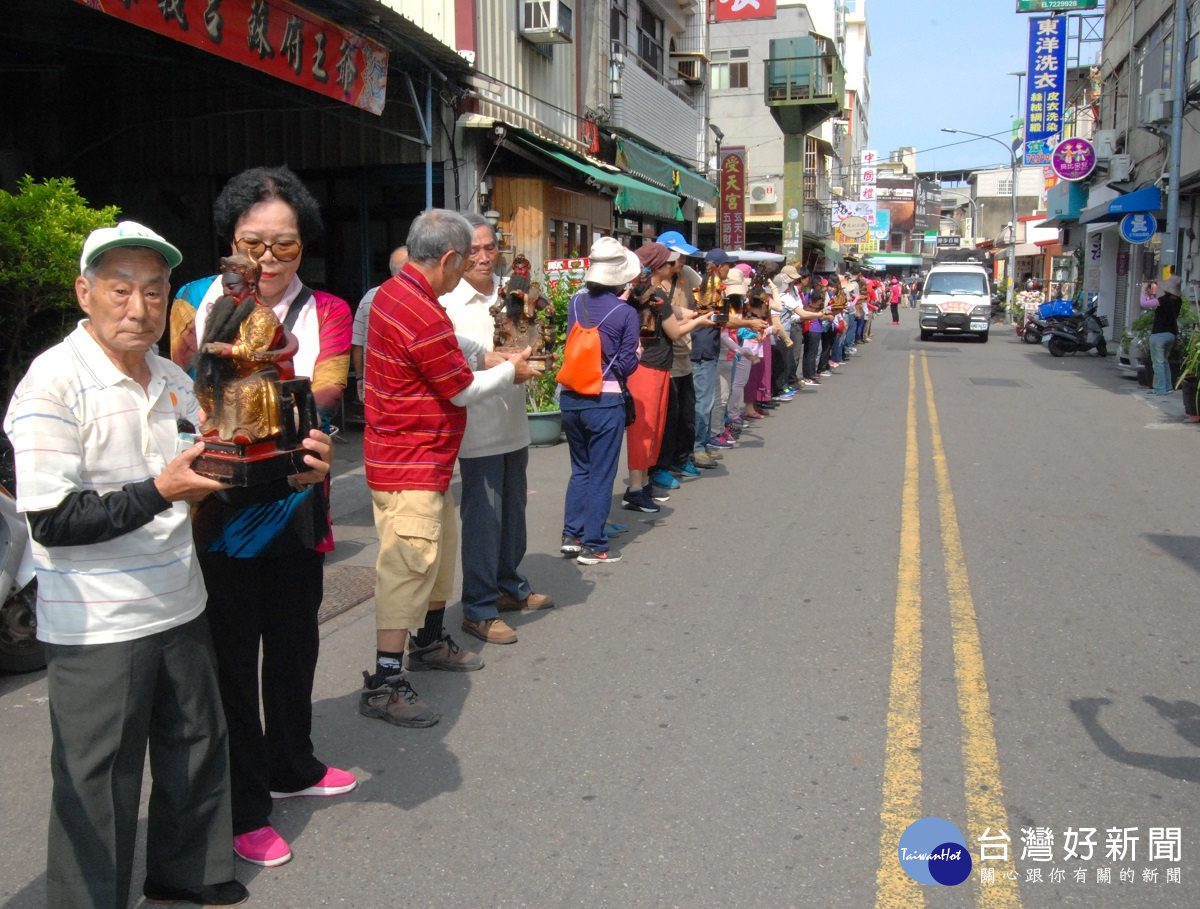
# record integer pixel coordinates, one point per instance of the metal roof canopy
(658, 169)
(631, 194)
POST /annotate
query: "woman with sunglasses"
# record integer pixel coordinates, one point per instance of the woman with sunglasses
(262, 549)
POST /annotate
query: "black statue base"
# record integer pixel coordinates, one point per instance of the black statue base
(253, 463)
(248, 465)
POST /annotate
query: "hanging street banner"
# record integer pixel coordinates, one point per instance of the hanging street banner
(733, 197)
(276, 37)
(853, 208)
(1054, 6)
(737, 10)
(1045, 98)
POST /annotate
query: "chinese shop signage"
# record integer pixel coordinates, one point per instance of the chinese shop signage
(1073, 159)
(273, 36)
(1045, 97)
(1054, 6)
(733, 10)
(733, 197)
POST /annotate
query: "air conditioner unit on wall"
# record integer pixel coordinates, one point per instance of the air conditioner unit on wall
(690, 71)
(763, 194)
(1105, 143)
(546, 21)
(1120, 168)
(1156, 106)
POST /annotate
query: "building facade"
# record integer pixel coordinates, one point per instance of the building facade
(746, 56)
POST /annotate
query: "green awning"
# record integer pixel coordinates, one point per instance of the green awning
(632, 195)
(662, 171)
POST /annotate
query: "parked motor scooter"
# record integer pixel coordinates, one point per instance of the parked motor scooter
(20, 650)
(1078, 337)
(1034, 330)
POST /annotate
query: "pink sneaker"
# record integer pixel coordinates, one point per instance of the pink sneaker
(334, 782)
(262, 847)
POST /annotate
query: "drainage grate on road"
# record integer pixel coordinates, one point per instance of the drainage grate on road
(345, 586)
(997, 383)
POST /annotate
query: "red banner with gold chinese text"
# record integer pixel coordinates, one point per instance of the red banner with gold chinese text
(273, 36)
(733, 197)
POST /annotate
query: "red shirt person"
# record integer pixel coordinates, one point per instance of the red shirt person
(417, 388)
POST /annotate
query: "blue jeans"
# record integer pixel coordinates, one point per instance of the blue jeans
(852, 326)
(1160, 346)
(594, 436)
(494, 493)
(704, 378)
(836, 354)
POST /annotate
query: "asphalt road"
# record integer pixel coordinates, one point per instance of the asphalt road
(873, 612)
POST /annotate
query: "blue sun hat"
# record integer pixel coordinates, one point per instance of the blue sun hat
(673, 239)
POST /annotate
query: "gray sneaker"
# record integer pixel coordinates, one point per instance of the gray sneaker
(392, 699)
(444, 655)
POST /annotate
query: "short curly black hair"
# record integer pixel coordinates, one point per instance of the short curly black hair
(261, 184)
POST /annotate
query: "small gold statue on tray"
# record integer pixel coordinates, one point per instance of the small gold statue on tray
(256, 410)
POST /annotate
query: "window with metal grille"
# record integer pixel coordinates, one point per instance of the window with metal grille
(650, 38)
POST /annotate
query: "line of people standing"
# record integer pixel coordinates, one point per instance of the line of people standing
(703, 356)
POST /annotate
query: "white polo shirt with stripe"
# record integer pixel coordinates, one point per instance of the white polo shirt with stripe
(78, 423)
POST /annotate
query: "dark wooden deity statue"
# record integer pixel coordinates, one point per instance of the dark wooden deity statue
(524, 317)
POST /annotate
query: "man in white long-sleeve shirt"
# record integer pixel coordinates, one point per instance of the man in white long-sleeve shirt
(492, 463)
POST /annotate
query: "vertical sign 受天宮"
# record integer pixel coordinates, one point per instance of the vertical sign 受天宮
(1045, 99)
(733, 197)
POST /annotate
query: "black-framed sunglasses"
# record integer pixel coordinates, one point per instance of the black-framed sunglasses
(282, 250)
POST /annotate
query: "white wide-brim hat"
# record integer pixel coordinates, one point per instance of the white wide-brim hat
(611, 264)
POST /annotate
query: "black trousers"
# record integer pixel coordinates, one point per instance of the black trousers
(812, 347)
(895, 311)
(272, 603)
(780, 356)
(666, 450)
(797, 334)
(679, 435)
(107, 703)
(826, 349)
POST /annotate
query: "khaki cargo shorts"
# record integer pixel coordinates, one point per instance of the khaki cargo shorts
(418, 545)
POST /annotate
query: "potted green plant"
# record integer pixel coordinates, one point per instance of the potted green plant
(541, 394)
(1188, 369)
(541, 406)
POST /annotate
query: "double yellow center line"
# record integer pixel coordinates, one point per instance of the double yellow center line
(902, 756)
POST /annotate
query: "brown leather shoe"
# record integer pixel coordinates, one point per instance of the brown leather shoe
(505, 603)
(491, 631)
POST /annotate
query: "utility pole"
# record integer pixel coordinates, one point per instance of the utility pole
(1170, 248)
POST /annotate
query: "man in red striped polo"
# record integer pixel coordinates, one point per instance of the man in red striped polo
(418, 384)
